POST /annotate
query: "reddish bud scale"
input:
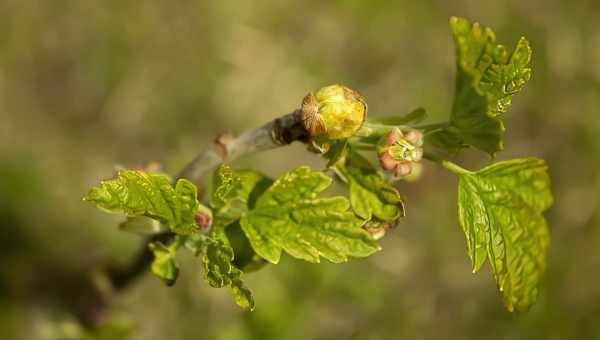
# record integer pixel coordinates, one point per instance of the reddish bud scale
(203, 221)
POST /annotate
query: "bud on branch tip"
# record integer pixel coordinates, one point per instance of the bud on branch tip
(333, 112)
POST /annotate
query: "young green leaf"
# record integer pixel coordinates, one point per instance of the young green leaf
(500, 210)
(289, 217)
(487, 78)
(164, 265)
(370, 194)
(446, 138)
(235, 191)
(220, 272)
(137, 193)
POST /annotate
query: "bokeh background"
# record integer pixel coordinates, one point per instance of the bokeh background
(86, 85)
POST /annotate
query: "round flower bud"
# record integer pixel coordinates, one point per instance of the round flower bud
(203, 219)
(334, 112)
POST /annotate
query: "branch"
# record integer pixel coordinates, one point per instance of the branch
(226, 148)
(123, 277)
(93, 300)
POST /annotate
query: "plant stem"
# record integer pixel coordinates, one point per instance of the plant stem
(123, 277)
(431, 127)
(226, 148)
(365, 147)
(94, 299)
(432, 157)
(455, 168)
(372, 130)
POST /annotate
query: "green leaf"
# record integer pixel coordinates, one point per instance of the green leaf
(370, 194)
(289, 217)
(236, 191)
(447, 139)
(220, 272)
(488, 76)
(500, 210)
(137, 193)
(164, 265)
(246, 258)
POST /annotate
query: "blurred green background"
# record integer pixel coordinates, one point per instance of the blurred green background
(86, 85)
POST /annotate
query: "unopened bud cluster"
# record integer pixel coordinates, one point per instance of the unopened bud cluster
(400, 151)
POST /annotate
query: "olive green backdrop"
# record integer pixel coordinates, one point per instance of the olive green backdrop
(85, 85)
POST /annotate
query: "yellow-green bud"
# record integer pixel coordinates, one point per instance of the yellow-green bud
(334, 112)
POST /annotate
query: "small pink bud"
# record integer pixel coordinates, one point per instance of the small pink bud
(387, 162)
(203, 221)
(403, 169)
(415, 137)
(393, 136)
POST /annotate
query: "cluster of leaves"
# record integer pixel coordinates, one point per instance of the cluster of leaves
(285, 215)
(255, 219)
(488, 76)
(500, 206)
